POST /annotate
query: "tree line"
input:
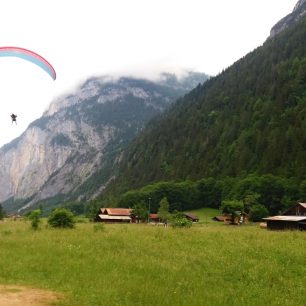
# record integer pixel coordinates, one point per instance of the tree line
(272, 193)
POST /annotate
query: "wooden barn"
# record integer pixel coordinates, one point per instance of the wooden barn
(286, 222)
(191, 217)
(114, 215)
(240, 218)
(221, 218)
(298, 209)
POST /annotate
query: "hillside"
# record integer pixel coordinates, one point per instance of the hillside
(251, 118)
(69, 152)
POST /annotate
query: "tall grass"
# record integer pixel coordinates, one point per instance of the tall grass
(146, 265)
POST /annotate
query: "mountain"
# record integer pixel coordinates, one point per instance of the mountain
(251, 118)
(68, 153)
(298, 13)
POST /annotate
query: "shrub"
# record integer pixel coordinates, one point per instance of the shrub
(61, 217)
(34, 216)
(179, 220)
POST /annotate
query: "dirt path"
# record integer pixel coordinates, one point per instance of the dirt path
(23, 296)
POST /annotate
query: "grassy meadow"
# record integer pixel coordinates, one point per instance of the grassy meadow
(139, 264)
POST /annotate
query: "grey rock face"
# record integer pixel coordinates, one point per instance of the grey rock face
(298, 12)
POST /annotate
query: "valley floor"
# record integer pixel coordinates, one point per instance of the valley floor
(137, 264)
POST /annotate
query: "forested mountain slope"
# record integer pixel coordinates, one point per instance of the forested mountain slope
(251, 118)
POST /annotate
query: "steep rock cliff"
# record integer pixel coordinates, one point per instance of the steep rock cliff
(298, 12)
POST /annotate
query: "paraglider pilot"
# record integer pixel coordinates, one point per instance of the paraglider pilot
(13, 116)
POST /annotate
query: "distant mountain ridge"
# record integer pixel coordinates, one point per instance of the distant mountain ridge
(69, 151)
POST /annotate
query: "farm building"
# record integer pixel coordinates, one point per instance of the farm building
(298, 209)
(191, 217)
(292, 218)
(114, 215)
(220, 218)
(154, 218)
(286, 222)
(240, 218)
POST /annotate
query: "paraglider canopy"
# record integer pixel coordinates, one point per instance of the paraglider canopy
(29, 56)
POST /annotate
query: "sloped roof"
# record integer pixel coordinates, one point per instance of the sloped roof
(286, 218)
(220, 218)
(153, 216)
(118, 211)
(192, 216)
(298, 204)
(303, 204)
(102, 210)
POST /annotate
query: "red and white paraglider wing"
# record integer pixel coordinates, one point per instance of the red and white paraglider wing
(29, 56)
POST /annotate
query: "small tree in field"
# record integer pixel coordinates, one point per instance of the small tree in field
(163, 211)
(140, 211)
(92, 209)
(61, 217)
(34, 216)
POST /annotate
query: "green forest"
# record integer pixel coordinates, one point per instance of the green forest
(248, 121)
(273, 193)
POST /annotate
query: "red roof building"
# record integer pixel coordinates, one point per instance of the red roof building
(114, 215)
(154, 218)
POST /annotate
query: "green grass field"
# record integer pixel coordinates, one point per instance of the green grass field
(138, 264)
(206, 214)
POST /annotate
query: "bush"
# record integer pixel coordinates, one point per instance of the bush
(34, 216)
(61, 217)
(179, 220)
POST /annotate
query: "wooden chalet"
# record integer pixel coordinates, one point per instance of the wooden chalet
(114, 215)
(298, 209)
(286, 222)
(191, 217)
(293, 218)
